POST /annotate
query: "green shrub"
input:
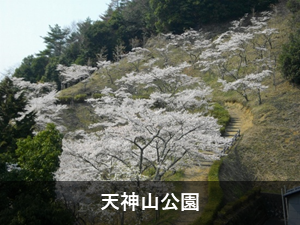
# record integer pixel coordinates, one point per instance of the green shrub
(80, 98)
(97, 95)
(143, 96)
(220, 113)
(213, 208)
(65, 99)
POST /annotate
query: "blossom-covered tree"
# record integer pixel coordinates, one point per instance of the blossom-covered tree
(47, 110)
(42, 101)
(74, 73)
(229, 57)
(187, 99)
(136, 56)
(105, 67)
(139, 140)
(249, 83)
(166, 80)
(194, 43)
(33, 89)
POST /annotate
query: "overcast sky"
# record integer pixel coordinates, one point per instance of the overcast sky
(23, 22)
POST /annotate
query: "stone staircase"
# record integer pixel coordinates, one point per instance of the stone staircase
(231, 131)
(196, 173)
(234, 126)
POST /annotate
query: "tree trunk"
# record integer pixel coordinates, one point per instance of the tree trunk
(259, 97)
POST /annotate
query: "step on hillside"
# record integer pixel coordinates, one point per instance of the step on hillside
(233, 126)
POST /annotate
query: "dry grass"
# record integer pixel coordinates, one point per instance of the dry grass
(269, 151)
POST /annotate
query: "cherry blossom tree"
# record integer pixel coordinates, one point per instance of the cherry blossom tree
(74, 73)
(166, 80)
(231, 49)
(136, 56)
(164, 53)
(33, 89)
(105, 66)
(195, 50)
(185, 100)
(118, 52)
(230, 53)
(190, 35)
(249, 83)
(42, 100)
(102, 55)
(194, 43)
(264, 42)
(48, 110)
(148, 139)
(228, 56)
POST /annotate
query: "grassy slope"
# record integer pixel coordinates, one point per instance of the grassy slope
(269, 150)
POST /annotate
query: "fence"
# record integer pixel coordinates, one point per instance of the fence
(233, 140)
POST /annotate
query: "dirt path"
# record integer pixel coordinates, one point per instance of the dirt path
(241, 119)
(194, 174)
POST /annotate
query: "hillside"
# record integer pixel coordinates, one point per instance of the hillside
(177, 86)
(267, 151)
(210, 105)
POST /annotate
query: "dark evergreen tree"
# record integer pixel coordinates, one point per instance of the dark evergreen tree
(25, 160)
(51, 74)
(178, 15)
(15, 123)
(55, 41)
(100, 35)
(290, 54)
(32, 68)
(290, 60)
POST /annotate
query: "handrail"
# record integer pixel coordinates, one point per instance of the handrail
(233, 140)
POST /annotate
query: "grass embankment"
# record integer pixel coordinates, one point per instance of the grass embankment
(78, 116)
(215, 196)
(218, 210)
(248, 208)
(220, 113)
